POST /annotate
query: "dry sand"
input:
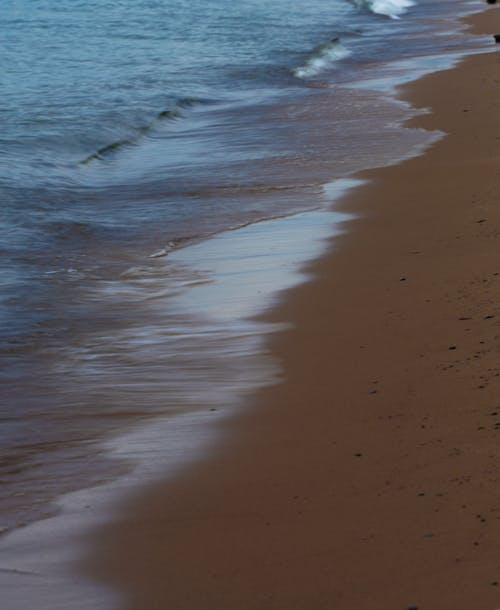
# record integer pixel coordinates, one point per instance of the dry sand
(369, 479)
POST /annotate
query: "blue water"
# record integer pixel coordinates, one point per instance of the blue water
(78, 76)
(119, 117)
(132, 127)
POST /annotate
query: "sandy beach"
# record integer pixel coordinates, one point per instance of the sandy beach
(368, 479)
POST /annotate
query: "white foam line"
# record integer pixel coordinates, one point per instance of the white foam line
(391, 8)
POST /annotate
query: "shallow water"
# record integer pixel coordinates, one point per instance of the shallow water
(205, 351)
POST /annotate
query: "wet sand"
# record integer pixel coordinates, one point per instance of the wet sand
(368, 479)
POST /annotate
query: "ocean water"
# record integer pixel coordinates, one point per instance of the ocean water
(132, 133)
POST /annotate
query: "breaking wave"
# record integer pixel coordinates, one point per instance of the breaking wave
(391, 8)
(322, 58)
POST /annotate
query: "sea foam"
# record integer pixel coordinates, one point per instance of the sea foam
(391, 8)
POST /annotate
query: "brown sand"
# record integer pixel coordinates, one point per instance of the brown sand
(369, 479)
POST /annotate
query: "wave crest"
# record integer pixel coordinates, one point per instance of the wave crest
(171, 114)
(322, 58)
(391, 8)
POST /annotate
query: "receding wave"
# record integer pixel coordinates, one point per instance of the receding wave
(170, 114)
(322, 58)
(391, 8)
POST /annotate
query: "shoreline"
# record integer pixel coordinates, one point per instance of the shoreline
(385, 497)
(90, 351)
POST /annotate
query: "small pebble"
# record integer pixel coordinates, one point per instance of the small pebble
(452, 347)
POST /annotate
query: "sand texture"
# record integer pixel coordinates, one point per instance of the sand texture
(369, 479)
